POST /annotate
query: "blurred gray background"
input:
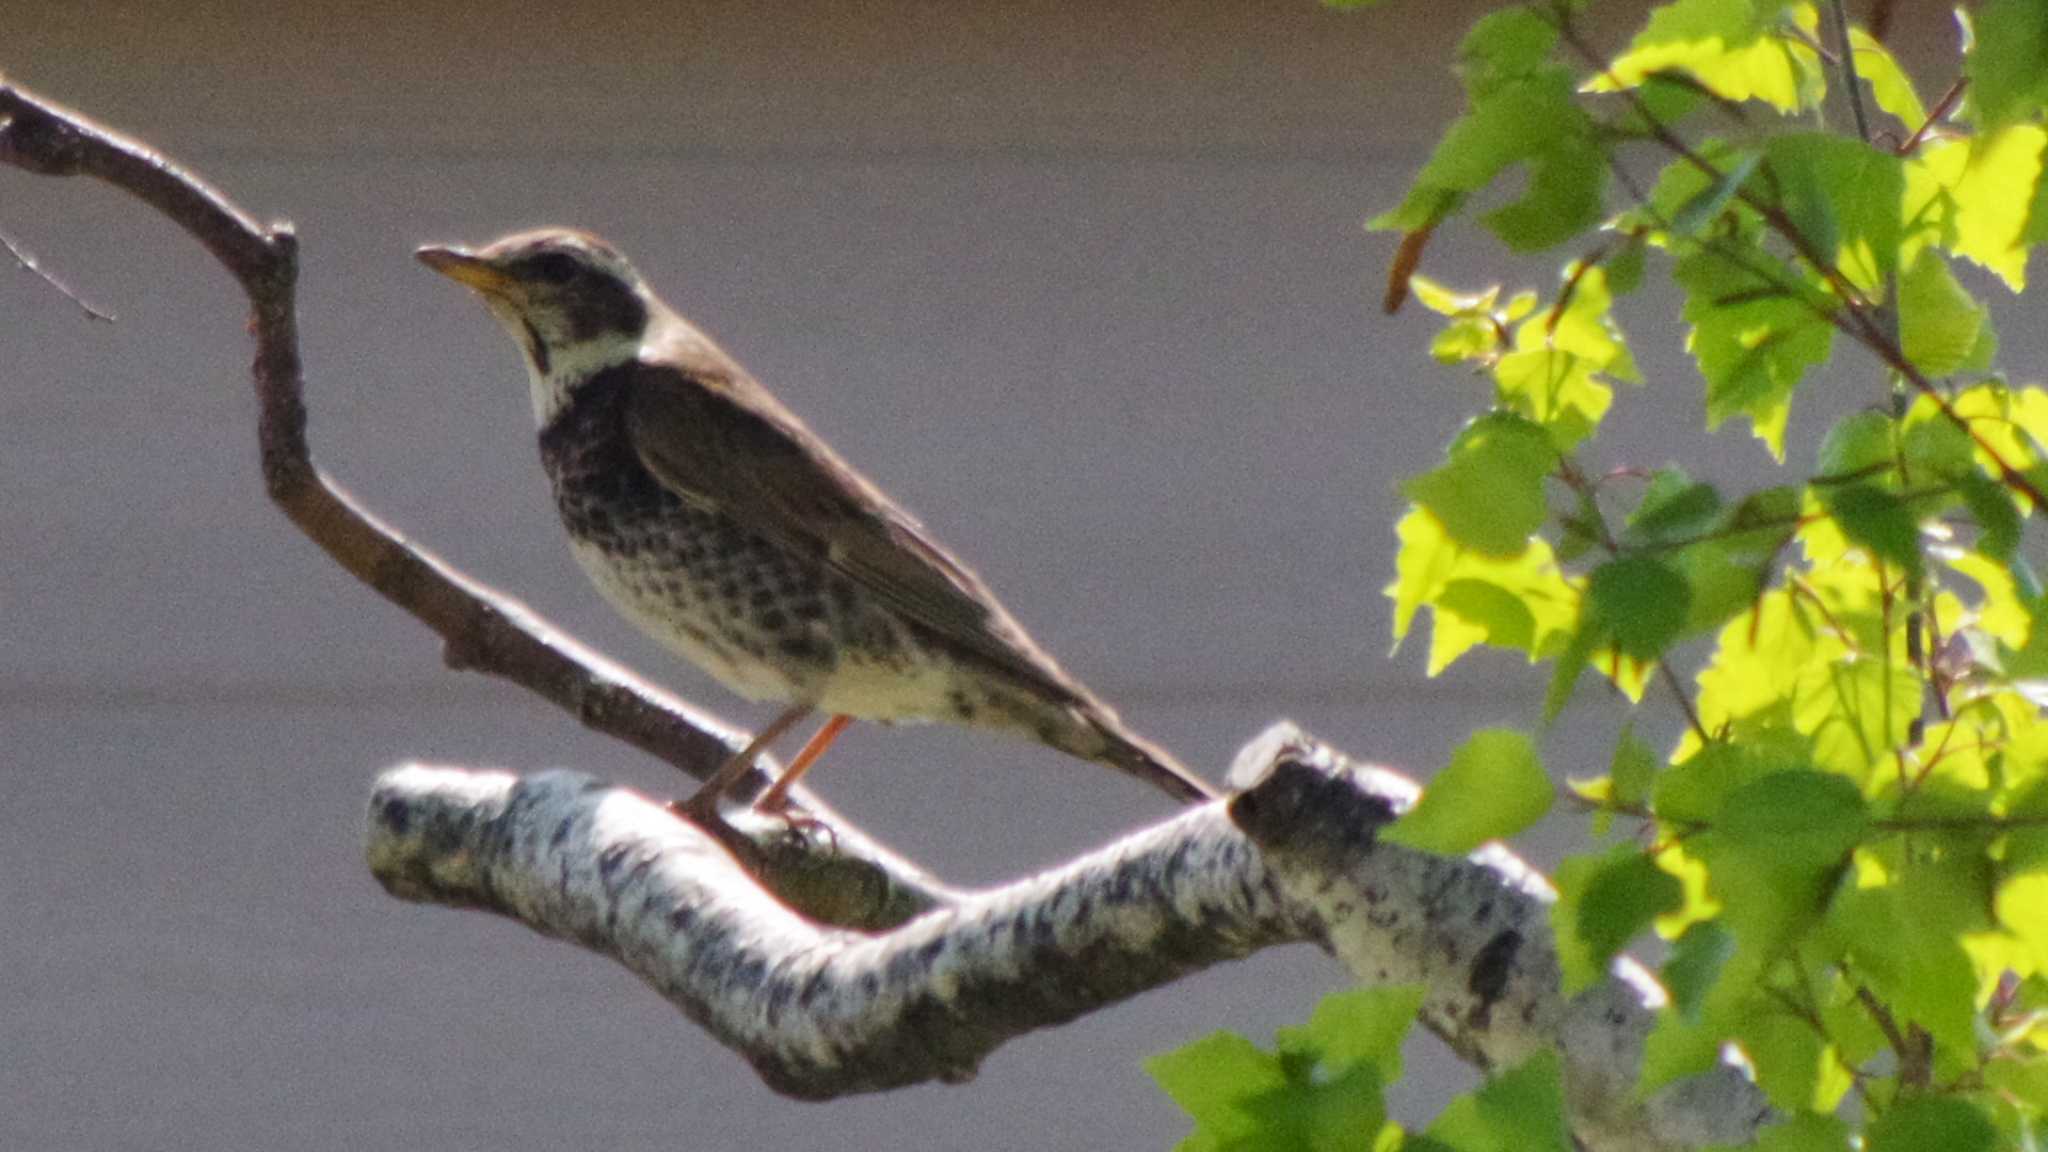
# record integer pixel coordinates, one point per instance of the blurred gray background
(1083, 284)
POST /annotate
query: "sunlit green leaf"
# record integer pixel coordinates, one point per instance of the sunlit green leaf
(1357, 1026)
(1858, 710)
(1489, 495)
(1603, 902)
(1941, 326)
(1727, 46)
(1756, 330)
(1775, 851)
(2008, 62)
(1510, 601)
(1212, 1078)
(1843, 194)
(1494, 787)
(1503, 47)
(1520, 1109)
(1978, 198)
(1889, 84)
(1532, 119)
(1790, 1058)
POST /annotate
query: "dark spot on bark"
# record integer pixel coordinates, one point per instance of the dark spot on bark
(561, 832)
(397, 816)
(1492, 966)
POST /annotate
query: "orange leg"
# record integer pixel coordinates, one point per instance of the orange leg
(703, 803)
(776, 798)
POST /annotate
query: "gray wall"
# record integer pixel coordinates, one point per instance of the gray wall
(1082, 284)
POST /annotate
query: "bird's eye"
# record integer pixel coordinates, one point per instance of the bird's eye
(552, 268)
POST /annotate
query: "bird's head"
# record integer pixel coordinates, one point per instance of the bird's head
(574, 304)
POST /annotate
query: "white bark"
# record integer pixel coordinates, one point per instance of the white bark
(822, 1010)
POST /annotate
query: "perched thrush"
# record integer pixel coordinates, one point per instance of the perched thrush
(708, 514)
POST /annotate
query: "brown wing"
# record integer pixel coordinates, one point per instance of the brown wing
(718, 439)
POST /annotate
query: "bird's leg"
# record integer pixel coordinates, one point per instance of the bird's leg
(703, 803)
(776, 798)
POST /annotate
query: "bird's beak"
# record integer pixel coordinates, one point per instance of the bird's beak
(462, 265)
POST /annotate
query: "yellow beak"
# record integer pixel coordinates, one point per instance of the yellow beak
(462, 265)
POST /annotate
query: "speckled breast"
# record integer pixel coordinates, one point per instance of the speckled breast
(767, 624)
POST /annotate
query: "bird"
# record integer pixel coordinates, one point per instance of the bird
(714, 519)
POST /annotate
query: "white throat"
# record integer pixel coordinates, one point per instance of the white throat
(571, 364)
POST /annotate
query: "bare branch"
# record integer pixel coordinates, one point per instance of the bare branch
(483, 629)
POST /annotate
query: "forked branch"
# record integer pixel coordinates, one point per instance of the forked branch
(829, 963)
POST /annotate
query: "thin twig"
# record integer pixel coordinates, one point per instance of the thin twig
(1854, 317)
(481, 628)
(30, 264)
(1942, 108)
(1846, 52)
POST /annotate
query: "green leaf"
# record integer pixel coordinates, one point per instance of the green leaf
(1694, 965)
(1755, 333)
(1633, 770)
(2008, 61)
(1998, 522)
(1640, 603)
(1603, 902)
(1804, 1132)
(1518, 1110)
(1858, 443)
(1787, 1055)
(1858, 710)
(1704, 200)
(1511, 601)
(1489, 496)
(1494, 787)
(1564, 676)
(1673, 507)
(1556, 389)
(1981, 198)
(1889, 84)
(1924, 1123)
(1936, 449)
(1902, 948)
(1843, 195)
(1941, 326)
(1504, 46)
(1533, 119)
(1726, 46)
(1879, 521)
(1212, 1078)
(1357, 1026)
(1774, 853)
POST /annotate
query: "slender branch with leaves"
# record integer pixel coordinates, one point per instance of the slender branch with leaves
(1846, 847)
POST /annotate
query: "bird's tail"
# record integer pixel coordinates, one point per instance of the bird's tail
(1104, 739)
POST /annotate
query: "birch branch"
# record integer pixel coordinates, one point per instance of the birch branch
(820, 1011)
(872, 974)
